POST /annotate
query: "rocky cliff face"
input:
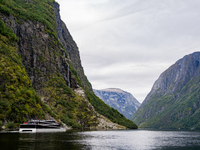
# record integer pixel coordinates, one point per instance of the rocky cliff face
(123, 101)
(174, 78)
(39, 56)
(174, 99)
(70, 47)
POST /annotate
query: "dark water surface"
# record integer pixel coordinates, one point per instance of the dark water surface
(102, 140)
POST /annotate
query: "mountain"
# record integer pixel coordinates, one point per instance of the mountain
(118, 99)
(174, 100)
(41, 75)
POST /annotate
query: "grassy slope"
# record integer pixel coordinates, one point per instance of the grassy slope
(181, 113)
(64, 104)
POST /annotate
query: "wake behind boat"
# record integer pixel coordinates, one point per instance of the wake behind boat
(34, 126)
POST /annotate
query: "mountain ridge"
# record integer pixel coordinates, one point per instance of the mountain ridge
(173, 101)
(118, 99)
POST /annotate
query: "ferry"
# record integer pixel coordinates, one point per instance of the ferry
(34, 126)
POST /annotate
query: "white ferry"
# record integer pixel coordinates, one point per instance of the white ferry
(34, 126)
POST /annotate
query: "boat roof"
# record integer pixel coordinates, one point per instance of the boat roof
(38, 120)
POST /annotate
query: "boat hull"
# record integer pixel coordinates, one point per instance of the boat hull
(34, 130)
(35, 126)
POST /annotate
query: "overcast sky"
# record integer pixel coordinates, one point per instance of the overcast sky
(127, 44)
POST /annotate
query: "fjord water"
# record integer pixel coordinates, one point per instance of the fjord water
(103, 140)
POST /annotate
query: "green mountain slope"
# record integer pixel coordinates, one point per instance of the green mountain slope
(174, 100)
(18, 100)
(37, 73)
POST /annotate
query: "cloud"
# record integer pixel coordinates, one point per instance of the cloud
(128, 44)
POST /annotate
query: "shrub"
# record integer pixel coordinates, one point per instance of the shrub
(4, 9)
(10, 125)
(7, 32)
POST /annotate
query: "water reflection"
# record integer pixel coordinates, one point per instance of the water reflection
(141, 140)
(105, 140)
(49, 141)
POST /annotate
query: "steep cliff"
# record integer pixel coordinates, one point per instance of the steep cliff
(71, 48)
(41, 74)
(118, 99)
(46, 63)
(174, 100)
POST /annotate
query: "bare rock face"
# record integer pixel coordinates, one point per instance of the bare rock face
(175, 77)
(39, 54)
(70, 46)
(123, 101)
(174, 99)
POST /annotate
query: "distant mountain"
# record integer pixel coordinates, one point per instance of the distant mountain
(123, 101)
(174, 101)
